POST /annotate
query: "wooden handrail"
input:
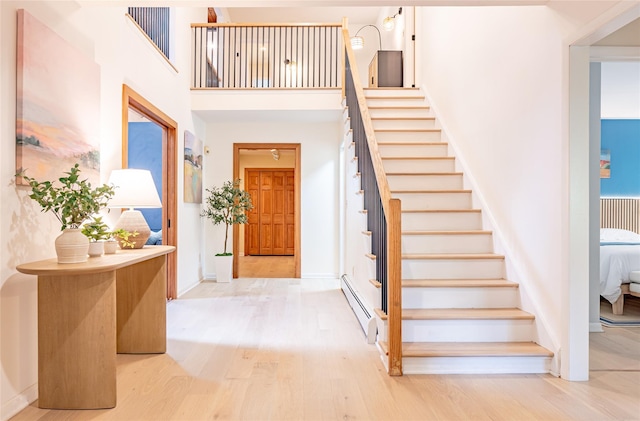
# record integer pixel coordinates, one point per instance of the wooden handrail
(392, 212)
(381, 178)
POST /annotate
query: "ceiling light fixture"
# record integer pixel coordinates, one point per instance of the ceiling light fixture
(390, 21)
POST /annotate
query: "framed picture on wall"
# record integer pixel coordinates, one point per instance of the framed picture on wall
(58, 104)
(193, 150)
(605, 163)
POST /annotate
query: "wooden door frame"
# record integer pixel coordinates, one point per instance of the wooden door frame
(132, 99)
(296, 147)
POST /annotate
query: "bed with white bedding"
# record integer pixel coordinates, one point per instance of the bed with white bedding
(619, 255)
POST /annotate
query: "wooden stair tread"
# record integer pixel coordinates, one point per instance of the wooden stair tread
(381, 314)
(458, 283)
(429, 191)
(412, 97)
(403, 118)
(423, 158)
(440, 210)
(375, 283)
(469, 232)
(407, 130)
(400, 107)
(474, 349)
(465, 314)
(409, 174)
(411, 143)
(452, 256)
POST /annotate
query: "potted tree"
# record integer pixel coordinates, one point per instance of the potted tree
(72, 200)
(226, 205)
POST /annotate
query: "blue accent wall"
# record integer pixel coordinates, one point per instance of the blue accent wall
(145, 152)
(622, 139)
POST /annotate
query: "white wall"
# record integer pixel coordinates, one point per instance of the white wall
(124, 56)
(320, 182)
(498, 79)
(621, 90)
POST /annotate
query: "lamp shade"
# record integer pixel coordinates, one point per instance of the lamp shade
(134, 189)
(357, 42)
(389, 23)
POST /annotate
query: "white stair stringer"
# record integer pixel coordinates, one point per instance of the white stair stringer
(460, 313)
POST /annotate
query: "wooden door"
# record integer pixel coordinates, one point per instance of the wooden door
(271, 227)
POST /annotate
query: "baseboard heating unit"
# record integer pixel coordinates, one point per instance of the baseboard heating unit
(366, 319)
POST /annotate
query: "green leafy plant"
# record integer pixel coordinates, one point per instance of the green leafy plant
(227, 205)
(72, 200)
(122, 236)
(96, 229)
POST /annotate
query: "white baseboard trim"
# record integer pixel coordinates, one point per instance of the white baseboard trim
(19, 402)
(595, 327)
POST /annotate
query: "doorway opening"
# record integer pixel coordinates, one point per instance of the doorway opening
(134, 106)
(269, 245)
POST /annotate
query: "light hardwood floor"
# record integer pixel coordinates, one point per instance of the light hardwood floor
(266, 267)
(291, 349)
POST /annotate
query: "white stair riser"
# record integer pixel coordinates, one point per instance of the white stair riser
(419, 165)
(399, 112)
(403, 124)
(441, 221)
(452, 269)
(467, 330)
(430, 201)
(395, 102)
(418, 151)
(479, 297)
(346, 125)
(406, 137)
(390, 92)
(446, 243)
(475, 365)
(425, 182)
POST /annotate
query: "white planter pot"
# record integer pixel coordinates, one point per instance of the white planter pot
(110, 247)
(96, 248)
(224, 268)
(72, 246)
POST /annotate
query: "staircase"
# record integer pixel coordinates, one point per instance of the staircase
(459, 313)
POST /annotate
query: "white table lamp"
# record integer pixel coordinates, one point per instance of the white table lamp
(134, 189)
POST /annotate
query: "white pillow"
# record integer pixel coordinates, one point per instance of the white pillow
(615, 235)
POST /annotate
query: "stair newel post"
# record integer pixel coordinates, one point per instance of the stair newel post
(394, 285)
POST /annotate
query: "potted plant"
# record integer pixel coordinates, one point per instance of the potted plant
(121, 237)
(97, 231)
(226, 205)
(104, 240)
(72, 200)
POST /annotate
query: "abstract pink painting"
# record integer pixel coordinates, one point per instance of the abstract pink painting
(58, 105)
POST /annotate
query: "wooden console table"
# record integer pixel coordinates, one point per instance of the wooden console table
(89, 311)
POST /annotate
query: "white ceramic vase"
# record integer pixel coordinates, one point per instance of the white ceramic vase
(96, 248)
(224, 268)
(72, 246)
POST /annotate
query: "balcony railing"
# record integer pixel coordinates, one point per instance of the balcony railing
(267, 56)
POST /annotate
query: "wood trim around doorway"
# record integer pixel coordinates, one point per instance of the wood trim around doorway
(296, 147)
(132, 99)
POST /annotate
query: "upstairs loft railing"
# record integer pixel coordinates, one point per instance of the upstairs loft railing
(383, 212)
(227, 55)
(155, 22)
